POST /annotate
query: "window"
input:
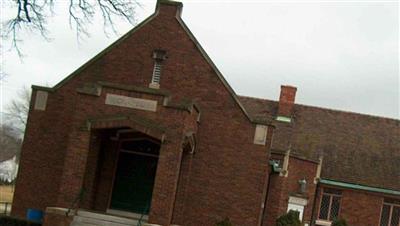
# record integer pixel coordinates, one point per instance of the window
(329, 205)
(390, 215)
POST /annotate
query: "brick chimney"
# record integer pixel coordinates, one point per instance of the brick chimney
(169, 8)
(286, 101)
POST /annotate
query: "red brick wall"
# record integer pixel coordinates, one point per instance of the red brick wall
(100, 170)
(42, 156)
(282, 187)
(286, 100)
(51, 219)
(228, 174)
(184, 180)
(105, 176)
(90, 178)
(358, 208)
(57, 217)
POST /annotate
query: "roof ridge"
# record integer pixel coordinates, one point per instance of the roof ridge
(258, 98)
(327, 109)
(349, 112)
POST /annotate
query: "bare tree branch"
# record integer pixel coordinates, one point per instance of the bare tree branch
(33, 15)
(17, 110)
(10, 142)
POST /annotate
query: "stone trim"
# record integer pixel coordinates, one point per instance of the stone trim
(294, 155)
(41, 100)
(168, 2)
(323, 222)
(90, 89)
(59, 211)
(141, 124)
(319, 169)
(131, 102)
(298, 200)
(260, 135)
(43, 88)
(157, 92)
(285, 166)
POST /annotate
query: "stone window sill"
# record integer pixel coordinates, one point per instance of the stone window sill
(323, 222)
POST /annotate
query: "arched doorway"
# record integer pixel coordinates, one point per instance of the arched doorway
(135, 173)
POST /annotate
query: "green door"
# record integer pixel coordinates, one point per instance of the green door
(133, 183)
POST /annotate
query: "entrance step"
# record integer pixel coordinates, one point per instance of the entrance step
(88, 218)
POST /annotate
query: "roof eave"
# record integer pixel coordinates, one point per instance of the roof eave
(358, 187)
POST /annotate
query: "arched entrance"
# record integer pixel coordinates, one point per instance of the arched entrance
(135, 173)
(132, 166)
(121, 170)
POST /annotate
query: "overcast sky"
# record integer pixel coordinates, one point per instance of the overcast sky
(340, 54)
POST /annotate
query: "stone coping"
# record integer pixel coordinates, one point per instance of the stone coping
(59, 211)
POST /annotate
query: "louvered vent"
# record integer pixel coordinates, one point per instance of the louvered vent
(156, 72)
(159, 56)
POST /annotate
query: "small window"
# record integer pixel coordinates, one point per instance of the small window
(330, 204)
(390, 214)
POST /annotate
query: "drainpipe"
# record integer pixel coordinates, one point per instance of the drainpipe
(274, 169)
(314, 204)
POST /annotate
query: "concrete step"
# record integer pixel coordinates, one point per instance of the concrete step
(120, 213)
(88, 218)
(86, 221)
(76, 223)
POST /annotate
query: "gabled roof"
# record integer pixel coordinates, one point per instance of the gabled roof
(356, 148)
(191, 36)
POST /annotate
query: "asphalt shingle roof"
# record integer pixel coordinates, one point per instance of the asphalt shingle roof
(356, 148)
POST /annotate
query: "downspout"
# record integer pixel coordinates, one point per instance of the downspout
(274, 169)
(191, 152)
(317, 182)
(313, 218)
(177, 186)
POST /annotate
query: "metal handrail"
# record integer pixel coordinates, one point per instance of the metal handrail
(142, 215)
(76, 200)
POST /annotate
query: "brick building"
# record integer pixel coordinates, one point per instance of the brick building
(150, 131)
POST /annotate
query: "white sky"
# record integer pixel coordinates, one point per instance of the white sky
(340, 54)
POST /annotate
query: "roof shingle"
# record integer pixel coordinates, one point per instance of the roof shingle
(356, 148)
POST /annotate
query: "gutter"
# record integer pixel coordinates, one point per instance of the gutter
(359, 187)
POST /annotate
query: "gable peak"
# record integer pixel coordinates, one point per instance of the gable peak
(169, 7)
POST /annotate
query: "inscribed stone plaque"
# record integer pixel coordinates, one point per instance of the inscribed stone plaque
(131, 102)
(260, 136)
(41, 100)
